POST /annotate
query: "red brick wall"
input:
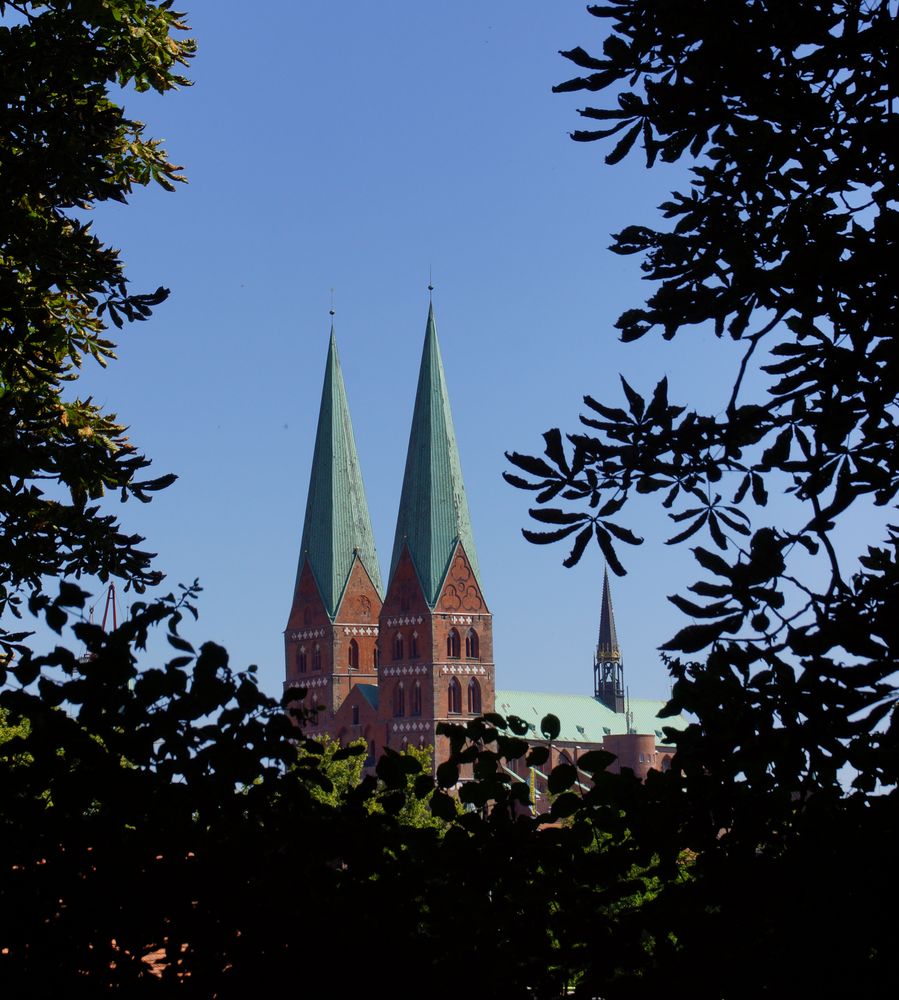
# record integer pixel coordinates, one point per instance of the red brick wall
(461, 607)
(309, 626)
(356, 620)
(633, 750)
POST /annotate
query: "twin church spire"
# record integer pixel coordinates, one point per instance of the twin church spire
(389, 664)
(337, 526)
(433, 513)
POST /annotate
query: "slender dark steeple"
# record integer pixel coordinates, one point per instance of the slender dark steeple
(608, 666)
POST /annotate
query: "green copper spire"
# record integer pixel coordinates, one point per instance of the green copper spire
(433, 508)
(337, 526)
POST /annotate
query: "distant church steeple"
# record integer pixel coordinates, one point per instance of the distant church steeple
(608, 666)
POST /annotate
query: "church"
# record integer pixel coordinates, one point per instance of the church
(388, 664)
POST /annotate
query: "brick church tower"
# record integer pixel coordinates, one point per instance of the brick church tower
(389, 673)
(330, 643)
(436, 629)
(388, 670)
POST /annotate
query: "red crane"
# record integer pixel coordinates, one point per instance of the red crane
(110, 604)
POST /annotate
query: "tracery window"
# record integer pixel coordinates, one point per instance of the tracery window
(472, 645)
(454, 697)
(353, 655)
(452, 644)
(474, 697)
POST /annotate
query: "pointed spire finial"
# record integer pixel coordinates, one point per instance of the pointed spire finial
(332, 310)
(430, 285)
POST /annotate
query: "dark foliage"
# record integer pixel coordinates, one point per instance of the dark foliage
(161, 833)
(784, 242)
(65, 146)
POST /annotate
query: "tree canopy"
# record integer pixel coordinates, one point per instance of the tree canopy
(67, 145)
(782, 243)
(170, 829)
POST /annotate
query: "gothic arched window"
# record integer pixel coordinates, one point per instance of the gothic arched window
(416, 699)
(399, 699)
(472, 645)
(452, 644)
(398, 646)
(474, 697)
(413, 646)
(353, 655)
(454, 697)
(376, 656)
(317, 657)
(301, 660)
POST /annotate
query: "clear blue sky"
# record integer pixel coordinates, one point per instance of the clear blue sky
(354, 146)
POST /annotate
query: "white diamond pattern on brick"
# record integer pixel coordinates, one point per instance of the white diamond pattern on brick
(313, 682)
(396, 671)
(410, 727)
(307, 633)
(464, 668)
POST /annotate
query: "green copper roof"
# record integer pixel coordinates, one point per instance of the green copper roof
(584, 719)
(337, 525)
(433, 507)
